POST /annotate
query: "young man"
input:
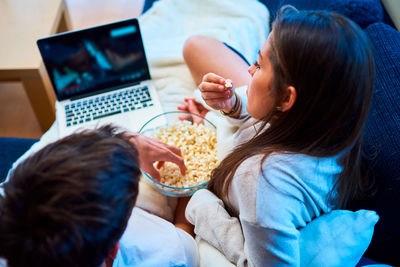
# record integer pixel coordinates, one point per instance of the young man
(69, 204)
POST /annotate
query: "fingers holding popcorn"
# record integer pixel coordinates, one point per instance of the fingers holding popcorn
(217, 91)
(228, 84)
(213, 78)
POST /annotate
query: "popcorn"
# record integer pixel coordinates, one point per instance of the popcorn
(198, 146)
(228, 83)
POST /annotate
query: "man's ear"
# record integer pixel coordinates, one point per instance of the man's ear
(289, 98)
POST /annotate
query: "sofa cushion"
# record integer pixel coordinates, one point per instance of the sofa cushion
(363, 12)
(10, 150)
(338, 238)
(382, 143)
(147, 5)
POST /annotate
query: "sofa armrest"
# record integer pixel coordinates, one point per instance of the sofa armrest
(10, 150)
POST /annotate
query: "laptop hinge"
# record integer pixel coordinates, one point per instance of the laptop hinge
(103, 91)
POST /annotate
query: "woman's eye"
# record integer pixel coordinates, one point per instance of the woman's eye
(256, 65)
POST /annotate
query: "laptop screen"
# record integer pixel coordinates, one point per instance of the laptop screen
(95, 59)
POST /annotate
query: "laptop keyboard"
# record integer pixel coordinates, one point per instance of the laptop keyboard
(86, 110)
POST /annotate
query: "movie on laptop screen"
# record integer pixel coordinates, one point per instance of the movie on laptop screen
(96, 59)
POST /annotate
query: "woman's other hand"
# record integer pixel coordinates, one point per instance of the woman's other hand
(194, 107)
(217, 92)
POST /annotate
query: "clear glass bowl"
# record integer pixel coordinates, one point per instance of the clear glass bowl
(163, 121)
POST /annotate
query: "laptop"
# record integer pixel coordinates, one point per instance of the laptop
(100, 75)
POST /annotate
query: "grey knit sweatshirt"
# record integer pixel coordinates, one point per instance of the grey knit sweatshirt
(267, 206)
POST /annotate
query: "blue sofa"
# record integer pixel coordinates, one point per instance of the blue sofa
(382, 132)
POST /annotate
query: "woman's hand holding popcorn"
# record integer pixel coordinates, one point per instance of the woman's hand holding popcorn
(218, 92)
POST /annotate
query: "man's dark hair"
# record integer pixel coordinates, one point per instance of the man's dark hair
(69, 203)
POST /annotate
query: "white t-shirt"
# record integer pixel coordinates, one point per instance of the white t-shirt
(152, 241)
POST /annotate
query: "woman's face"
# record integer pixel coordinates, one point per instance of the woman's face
(260, 98)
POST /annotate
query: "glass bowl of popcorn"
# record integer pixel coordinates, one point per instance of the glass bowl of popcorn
(198, 145)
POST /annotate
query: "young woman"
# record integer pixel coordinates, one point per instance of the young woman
(310, 92)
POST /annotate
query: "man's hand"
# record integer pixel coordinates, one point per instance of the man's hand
(152, 150)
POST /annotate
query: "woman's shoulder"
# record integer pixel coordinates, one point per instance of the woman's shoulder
(302, 163)
(298, 178)
(310, 175)
(288, 165)
(282, 180)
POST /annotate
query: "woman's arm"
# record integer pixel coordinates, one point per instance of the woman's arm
(214, 224)
(203, 55)
(272, 207)
(273, 244)
(291, 190)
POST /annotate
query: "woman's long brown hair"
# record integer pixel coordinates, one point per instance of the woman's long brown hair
(328, 59)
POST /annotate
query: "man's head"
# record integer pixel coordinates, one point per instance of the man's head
(69, 203)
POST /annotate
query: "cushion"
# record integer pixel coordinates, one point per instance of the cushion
(365, 261)
(363, 12)
(338, 238)
(147, 5)
(10, 150)
(382, 143)
(275, 5)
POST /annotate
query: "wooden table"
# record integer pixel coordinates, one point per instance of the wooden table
(22, 22)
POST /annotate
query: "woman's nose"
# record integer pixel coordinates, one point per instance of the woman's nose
(251, 70)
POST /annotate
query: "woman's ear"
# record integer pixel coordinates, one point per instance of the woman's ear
(289, 98)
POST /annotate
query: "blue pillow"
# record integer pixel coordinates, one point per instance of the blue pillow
(147, 5)
(363, 12)
(382, 143)
(338, 238)
(10, 150)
